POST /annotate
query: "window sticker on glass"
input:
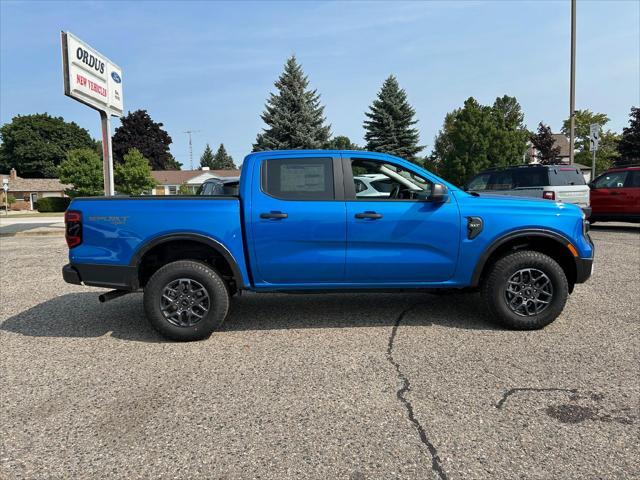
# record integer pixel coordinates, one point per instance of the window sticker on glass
(307, 178)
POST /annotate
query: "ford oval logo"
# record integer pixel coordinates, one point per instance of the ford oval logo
(116, 77)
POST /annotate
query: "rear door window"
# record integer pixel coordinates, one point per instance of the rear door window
(501, 180)
(564, 176)
(298, 178)
(531, 177)
(611, 180)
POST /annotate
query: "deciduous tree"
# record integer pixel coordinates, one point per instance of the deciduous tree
(133, 175)
(390, 125)
(545, 145)
(35, 145)
(83, 170)
(342, 142)
(607, 152)
(139, 131)
(476, 137)
(293, 115)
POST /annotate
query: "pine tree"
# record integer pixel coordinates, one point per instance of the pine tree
(293, 115)
(206, 160)
(629, 146)
(545, 144)
(391, 120)
(222, 160)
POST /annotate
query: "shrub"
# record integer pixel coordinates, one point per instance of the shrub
(82, 169)
(52, 204)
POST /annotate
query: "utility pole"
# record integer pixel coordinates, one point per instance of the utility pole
(572, 92)
(189, 132)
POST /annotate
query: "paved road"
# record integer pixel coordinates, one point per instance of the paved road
(10, 226)
(349, 386)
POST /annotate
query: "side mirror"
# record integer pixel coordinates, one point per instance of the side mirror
(439, 194)
(591, 185)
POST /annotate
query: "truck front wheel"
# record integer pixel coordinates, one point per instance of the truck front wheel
(525, 290)
(186, 300)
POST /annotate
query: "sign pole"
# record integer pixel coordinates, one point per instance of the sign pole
(107, 154)
(6, 205)
(5, 188)
(594, 140)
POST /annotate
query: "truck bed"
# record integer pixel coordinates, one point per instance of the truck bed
(117, 230)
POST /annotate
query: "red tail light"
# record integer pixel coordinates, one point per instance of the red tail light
(549, 195)
(73, 228)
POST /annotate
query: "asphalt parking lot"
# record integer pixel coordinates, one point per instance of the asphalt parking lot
(352, 386)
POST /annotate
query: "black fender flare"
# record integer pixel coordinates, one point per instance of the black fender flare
(196, 237)
(529, 232)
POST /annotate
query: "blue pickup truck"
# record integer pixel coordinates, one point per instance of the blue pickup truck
(301, 222)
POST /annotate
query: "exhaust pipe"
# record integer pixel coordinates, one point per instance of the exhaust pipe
(105, 297)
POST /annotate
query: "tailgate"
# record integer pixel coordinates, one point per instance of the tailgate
(578, 194)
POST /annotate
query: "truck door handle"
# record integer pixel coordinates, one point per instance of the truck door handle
(371, 215)
(274, 215)
(615, 193)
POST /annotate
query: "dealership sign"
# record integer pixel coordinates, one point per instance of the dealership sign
(90, 77)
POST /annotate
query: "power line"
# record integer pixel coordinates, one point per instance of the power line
(189, 132)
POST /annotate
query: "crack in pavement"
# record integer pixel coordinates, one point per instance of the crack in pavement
(508, 393)
(436, 463)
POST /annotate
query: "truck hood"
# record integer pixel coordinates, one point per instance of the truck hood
(493, 196)
(510, 201)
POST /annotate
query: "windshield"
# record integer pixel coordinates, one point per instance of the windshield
(562, 176)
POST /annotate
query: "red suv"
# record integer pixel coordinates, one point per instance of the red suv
(615, 195)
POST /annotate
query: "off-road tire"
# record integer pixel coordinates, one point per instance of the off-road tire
(495, 283)
(204, 275)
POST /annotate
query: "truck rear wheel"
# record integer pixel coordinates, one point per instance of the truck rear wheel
(525, 290)
(186, 300)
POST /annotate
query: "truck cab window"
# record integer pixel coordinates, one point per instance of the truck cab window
(298, 178)
(375, 180)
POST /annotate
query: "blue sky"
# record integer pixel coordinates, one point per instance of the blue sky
(209, 66)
